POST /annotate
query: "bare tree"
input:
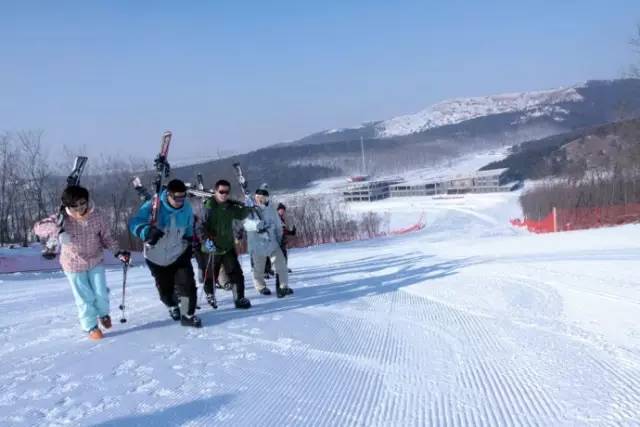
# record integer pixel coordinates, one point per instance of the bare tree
(8, 159)
(37, 171)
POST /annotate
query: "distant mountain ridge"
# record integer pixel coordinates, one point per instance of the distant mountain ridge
(439, 132)
(577, 106)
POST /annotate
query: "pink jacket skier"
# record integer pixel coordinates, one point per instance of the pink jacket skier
(83, 238)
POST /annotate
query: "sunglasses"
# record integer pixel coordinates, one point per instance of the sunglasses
(78, 205)
(223, 191)
(178, 197)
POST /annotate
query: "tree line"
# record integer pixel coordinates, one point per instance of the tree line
(31, 185)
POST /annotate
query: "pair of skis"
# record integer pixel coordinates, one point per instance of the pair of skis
(51, 246)
(245, 189)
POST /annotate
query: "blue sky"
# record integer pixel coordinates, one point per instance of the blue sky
(237, 75)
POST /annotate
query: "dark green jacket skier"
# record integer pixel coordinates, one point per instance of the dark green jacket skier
(216, 233)
(217, 224)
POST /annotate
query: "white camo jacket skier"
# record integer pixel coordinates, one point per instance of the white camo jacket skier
(266, 242)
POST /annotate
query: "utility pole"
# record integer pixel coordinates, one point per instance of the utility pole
(364, 167)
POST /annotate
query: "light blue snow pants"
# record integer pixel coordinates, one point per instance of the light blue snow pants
(91, 294)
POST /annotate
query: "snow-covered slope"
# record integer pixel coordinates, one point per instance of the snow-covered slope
(530, 104)
(468, 322)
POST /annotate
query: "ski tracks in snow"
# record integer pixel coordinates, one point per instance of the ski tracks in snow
(472, 341)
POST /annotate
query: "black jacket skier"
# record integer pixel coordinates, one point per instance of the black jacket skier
(168, 249)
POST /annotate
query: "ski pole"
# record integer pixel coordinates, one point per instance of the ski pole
(125, 267)
(206, 274)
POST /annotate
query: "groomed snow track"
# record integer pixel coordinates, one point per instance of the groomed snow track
(407, 331)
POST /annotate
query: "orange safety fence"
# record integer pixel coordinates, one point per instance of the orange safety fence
(544, 225)
(415, 227)
(582, 218)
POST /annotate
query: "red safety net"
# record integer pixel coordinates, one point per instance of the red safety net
(582, 218)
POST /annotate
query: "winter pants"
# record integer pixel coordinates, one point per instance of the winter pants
(207, 270)
(233, 270)
(176, 279)
(283, 247)
(201, 260)
(267, 265)
(91, 294)
(278, 260)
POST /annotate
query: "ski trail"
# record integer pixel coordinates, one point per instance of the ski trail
(394, 332)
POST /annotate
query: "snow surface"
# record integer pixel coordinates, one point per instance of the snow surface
(533, 104)
(468, 322)
(466, 164)
(19, 259)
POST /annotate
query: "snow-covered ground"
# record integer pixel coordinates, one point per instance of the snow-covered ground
(466, 164)
(25, 259)
(468, 322)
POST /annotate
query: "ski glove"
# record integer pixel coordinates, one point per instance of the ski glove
(64, 237)
(261, 227)
(123, 256)
(254, 225)
(153, 235)
(209, 246)
(61, 216)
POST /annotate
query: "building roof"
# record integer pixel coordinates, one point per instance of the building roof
(490, 172)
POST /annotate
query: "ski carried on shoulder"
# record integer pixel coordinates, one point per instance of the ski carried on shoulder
(197, 189)
(78, 167)
(245, 189)
(241, 179)
(199, 193)
(244, 185)
(199, 182)
(163, 169)
(51, 246)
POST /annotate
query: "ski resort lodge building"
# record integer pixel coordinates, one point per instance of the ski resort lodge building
(487, 181)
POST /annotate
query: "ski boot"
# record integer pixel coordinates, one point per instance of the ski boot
(105, 321)
(95, 333)
(211, 299)
(193, 321)
(283, 292)
(174, 312)
(243, 303)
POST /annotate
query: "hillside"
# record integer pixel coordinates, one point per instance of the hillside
(601, 148)
(443, 131)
